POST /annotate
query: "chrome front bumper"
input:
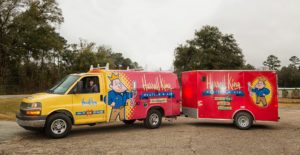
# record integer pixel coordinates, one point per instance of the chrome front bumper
(31, 121)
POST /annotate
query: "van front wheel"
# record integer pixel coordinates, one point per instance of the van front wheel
(153, 119)
(58, 126)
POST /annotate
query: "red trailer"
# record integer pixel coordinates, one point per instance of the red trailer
(241, 96)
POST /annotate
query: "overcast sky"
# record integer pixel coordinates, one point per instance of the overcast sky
(148, 31)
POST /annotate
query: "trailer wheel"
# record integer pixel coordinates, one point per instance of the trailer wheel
(58, 126)
(128, 122)
(243, 120)
(153, 119)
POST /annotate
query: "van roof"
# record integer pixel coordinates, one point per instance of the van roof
(97, 71)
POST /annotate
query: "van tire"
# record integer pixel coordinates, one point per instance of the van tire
(153, 119)
(58, 125)
(243, 120)
(128, 122)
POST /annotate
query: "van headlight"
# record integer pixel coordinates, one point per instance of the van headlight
(36, 105)
(31, 109)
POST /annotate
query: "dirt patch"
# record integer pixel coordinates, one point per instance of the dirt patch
(184, 136)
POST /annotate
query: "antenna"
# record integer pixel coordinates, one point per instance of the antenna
(92, 67)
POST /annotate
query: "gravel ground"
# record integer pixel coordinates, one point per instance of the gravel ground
(184, 136)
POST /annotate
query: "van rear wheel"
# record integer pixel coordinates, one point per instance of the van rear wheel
(58, 126)
(153, 119)
(243, 120)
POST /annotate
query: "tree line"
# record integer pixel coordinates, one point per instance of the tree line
(288, 76)
(211, 49)
(33, 55)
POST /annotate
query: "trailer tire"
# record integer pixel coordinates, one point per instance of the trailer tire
(58, 125)
(128, 122)
(153, 119)
(243, 120)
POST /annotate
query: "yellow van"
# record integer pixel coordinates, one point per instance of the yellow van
(102, 95)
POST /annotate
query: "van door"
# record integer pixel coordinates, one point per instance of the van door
(88, 104)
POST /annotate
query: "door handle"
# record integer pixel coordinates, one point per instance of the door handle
(101, 97)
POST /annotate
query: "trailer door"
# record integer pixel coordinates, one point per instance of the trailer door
(202, 100)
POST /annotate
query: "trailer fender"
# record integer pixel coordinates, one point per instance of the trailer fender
(243, 110)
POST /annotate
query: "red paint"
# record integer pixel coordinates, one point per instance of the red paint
(152, 83)
(197, 88)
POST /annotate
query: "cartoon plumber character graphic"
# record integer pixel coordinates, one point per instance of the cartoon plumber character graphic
(117, 97)
(260, 91)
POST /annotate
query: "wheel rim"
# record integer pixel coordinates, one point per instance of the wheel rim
(154, 119)
(243, 121)
(58, 126)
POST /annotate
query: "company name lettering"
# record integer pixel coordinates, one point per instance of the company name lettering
(227, 83)
(158, 84)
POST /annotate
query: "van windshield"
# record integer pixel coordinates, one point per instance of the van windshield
(62, 86)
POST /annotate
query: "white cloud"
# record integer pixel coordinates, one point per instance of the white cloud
(149, 31)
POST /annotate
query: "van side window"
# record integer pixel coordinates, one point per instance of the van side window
(203, 78)
(89, 84)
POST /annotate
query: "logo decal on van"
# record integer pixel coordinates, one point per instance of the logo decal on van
(158, 84)
(157, 94)
(158, 100)
(89, 102)
(90, 112)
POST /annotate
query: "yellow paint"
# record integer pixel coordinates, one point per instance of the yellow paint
(73, 102)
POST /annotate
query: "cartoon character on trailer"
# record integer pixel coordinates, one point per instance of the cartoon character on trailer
(118, 97)
(260, 91)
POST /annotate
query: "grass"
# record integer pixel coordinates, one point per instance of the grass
(10, 106)
(288, 100)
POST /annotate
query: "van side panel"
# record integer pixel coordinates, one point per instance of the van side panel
(143, 90)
